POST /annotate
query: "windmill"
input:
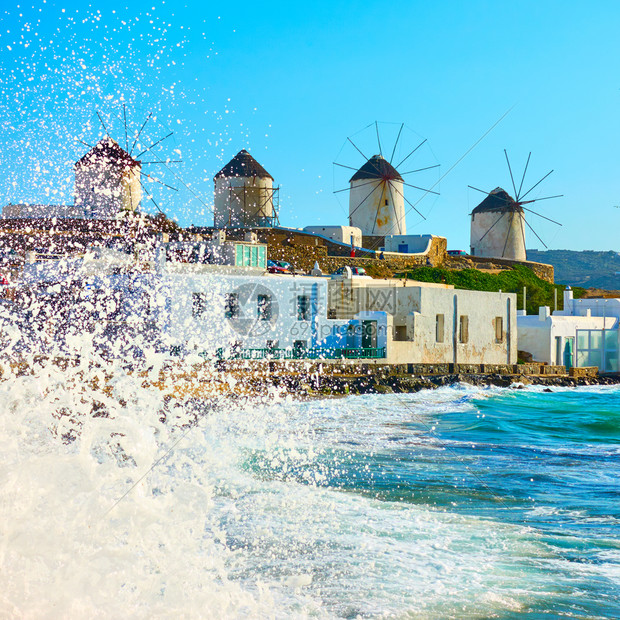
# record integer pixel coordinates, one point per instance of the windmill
(109, 179)
(244, 195)
(498, 222)
(377, 188)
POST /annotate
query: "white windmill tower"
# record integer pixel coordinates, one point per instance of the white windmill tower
(244, 194)
(498, 227)
(107, 181)
(377, 189)
(377, 200)
(498, 222)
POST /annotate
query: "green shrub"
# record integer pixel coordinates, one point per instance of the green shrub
(539, 292)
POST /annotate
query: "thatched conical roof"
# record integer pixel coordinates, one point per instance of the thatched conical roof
(108, 151)
(243, 165)
(377, 168)
(498, 201)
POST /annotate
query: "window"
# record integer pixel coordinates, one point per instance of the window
(439, 328)
(247, 255)
(303, 308)
(593, 349)
(499, 329)
(386, 202)
(400, 333)
(199, 305)
(262, 256)
(264, 308)
(231, 305)
(463, 329)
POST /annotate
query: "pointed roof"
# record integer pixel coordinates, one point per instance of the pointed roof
(243, 165)
(109, 151)
(498, 201)
(377, 168)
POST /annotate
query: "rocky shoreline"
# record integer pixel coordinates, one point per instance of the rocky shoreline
(248, 380)
(318, 386)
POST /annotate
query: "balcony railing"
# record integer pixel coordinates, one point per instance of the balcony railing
(302, 353)
(291, 354)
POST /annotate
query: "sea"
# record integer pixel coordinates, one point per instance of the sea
(460, 502)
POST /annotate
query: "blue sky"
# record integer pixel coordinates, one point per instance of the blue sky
(290, 82)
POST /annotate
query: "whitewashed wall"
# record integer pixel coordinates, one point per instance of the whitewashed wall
(498, 239)
(342, 234)
(103, 189)
(242, 201)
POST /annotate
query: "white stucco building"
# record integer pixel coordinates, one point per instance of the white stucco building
(223, 309)
(431, 323)
(584, 333)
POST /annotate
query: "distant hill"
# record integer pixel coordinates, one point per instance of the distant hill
(587, 269)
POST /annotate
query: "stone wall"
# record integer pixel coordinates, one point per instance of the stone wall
(544, 272)
(68, 236)
(584, 371)
(302, 250)
(369, 368)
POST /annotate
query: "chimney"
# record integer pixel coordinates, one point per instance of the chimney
(568, 301)
(544, 312)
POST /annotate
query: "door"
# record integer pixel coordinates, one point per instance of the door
(569, 347)
(369, 334)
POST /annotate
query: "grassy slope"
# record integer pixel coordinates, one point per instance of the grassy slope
(539, 292)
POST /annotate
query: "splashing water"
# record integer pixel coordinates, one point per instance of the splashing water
(69, 76)
(124, 503)
(454, 502)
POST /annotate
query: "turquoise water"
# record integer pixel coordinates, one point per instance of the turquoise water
(527, 483)
(461, 502)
